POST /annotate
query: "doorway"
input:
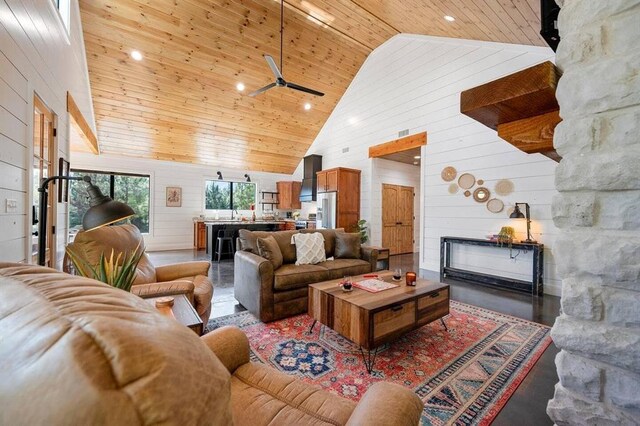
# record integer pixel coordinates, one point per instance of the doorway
(44, 152)
(397, 218)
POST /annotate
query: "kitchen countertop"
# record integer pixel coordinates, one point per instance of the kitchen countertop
(242, 222)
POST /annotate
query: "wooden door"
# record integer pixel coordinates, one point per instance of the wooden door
(43, 166)
(397, 218)
(390, 217)
(332, 181)
(405, 217)
(322, 182)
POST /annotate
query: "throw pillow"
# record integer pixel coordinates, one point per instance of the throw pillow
(269, 249)
(248, 241)
(309, 248)
(347, 245)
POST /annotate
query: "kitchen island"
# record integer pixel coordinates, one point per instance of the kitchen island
(213, 226)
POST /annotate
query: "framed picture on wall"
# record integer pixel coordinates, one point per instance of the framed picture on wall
(63, 187)
(174, 196)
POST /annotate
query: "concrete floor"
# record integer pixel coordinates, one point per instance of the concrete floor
(527, 406)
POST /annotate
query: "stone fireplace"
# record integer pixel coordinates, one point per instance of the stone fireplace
(598, 211)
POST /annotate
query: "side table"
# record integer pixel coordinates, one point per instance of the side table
(182, 311)
(383, 258)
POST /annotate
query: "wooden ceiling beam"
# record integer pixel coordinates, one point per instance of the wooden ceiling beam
(86, 133)
(398, 145)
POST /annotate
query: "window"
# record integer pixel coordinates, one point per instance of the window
(225, 195)
(64, 11)
(128, 188)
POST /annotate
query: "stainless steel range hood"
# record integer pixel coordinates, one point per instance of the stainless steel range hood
(312, 165)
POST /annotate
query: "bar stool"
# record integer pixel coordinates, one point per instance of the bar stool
(225, 235)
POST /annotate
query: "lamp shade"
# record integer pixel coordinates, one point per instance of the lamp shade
(517, 214)
(104, 211)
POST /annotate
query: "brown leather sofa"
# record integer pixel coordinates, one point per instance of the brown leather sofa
(77, 351)
(274, 294)
(188, 278)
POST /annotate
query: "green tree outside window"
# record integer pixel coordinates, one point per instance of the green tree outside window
(224, 195)
(133, 190)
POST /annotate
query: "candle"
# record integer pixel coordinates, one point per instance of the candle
(411, 278)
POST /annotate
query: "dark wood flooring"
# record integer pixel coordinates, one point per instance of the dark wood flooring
(527, 406)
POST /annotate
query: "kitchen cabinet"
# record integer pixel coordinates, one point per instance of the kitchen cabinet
(346, 183)
(328, 180)
(199, 235)
(289, 195)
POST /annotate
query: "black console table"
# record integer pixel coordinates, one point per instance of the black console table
(534, 286)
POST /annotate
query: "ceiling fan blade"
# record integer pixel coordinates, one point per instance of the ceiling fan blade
(304, 89)
(273, 66)
(264, 89)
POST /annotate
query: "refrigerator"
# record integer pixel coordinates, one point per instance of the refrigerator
(326, 212)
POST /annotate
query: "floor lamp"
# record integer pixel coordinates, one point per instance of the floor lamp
(103, 210)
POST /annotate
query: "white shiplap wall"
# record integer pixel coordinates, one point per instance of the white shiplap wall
(36, 55)
(172, 227)
(414, 82)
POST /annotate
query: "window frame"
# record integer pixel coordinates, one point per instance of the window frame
(62, 13)
(112, 176)
(232, 183)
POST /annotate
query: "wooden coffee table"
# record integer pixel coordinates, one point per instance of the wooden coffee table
(182, 311)
(373, 319)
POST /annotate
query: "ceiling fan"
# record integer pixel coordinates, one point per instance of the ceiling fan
(280, 81)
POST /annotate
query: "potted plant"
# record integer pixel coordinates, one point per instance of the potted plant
(506, 236)
(362, 230)
(117, 270)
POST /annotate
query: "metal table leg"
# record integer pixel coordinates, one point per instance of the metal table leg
(368, 359)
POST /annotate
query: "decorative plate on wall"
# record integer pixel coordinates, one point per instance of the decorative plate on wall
(495, 206)
(480, 182)
(481, 194)
(467, 193)
(453, 188)
(504, 187)
(466, 181)
(448, 174)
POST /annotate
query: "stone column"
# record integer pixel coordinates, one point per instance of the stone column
(598, 212)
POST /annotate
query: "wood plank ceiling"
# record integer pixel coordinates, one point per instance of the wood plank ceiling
(180, 102)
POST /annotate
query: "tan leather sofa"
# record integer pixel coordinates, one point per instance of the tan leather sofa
(78, 352)
(188, 278)
(275, 294)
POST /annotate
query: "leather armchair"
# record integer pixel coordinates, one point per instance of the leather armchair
(188, 278)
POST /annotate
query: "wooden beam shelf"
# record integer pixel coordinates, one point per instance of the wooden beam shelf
(521, 106)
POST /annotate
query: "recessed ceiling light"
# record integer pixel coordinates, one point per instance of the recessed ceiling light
(307, 106)
(136, 55)
(449, 18)
(417, 157)
(240, 87)
(353, 120)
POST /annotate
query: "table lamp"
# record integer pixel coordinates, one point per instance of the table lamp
(517, 214)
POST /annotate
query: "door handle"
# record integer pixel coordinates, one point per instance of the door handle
(434, 295)
(396, 308)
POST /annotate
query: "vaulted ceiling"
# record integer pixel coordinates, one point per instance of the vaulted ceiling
(180, 102)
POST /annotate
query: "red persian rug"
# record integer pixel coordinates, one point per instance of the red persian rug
(464, 375)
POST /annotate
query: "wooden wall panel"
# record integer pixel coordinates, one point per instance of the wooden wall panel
(195, 52)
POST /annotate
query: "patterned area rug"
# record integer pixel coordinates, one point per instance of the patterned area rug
(464, 375)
